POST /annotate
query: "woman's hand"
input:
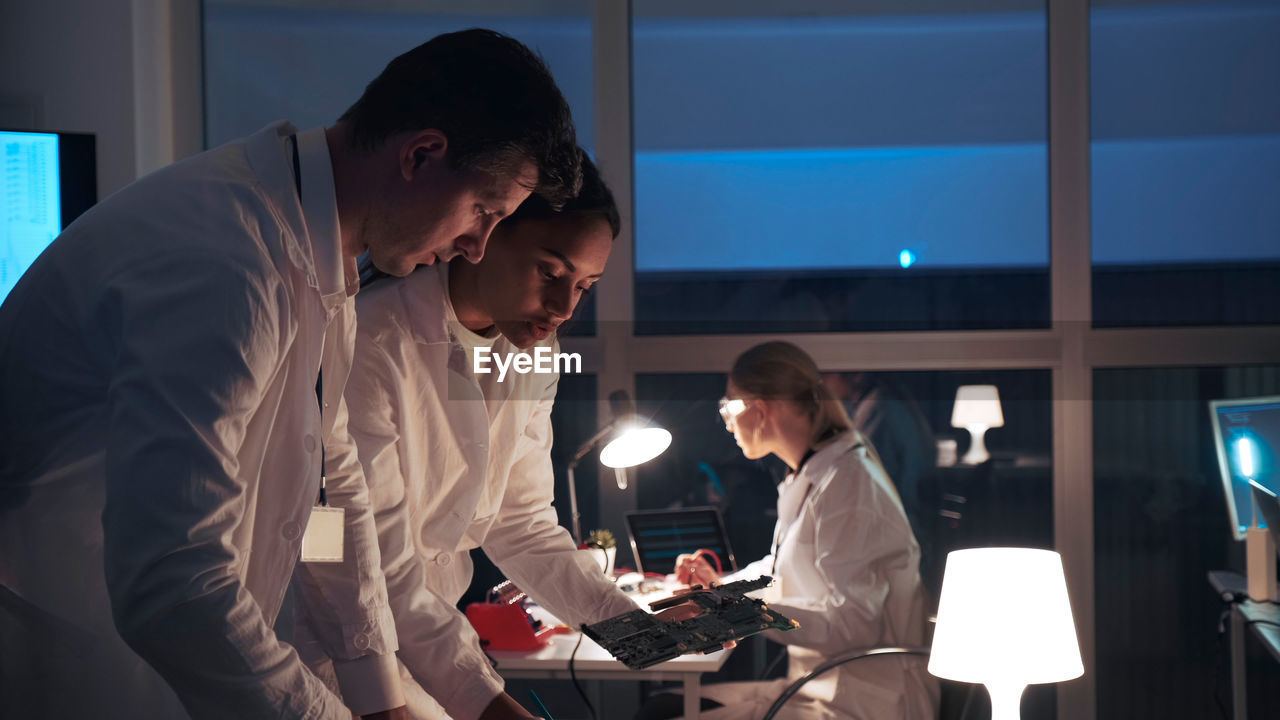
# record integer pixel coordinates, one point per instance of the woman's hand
(695, 570)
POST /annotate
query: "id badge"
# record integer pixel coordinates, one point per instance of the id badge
(322, 542)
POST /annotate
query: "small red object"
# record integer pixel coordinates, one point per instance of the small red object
(504, 626)
(703, 552)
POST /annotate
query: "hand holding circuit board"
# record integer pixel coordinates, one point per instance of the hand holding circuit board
(727, 614)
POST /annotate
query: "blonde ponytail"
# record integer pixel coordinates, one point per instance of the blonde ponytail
(831, 418)
(781, 370)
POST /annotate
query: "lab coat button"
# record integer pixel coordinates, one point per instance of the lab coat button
(291, 530)
(361, 641)
(309, 442)
(443, 559)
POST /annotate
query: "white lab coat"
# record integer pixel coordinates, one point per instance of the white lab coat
(161, 450)
(848, 570)
(456, 461)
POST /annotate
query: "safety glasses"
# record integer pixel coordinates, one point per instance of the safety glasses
(731, 409)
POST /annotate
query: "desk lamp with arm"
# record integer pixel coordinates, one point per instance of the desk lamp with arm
(629, 440)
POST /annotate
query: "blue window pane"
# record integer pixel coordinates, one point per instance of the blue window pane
(1185, 163)
(265, 63)
(811, 209)
(791, 161)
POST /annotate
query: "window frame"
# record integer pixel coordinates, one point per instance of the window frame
(1071, 349)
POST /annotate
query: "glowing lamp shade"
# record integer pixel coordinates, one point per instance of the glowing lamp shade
(634, 445)
(629, 440)
(1004, 620)
(977, 409)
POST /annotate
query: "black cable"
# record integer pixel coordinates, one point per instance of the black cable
(574, 677)
(794, 687)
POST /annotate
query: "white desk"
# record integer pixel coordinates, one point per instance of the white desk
(595, 663)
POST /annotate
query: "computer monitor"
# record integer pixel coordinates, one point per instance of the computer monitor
(47, 179)
(1246, 435)
(658, 536)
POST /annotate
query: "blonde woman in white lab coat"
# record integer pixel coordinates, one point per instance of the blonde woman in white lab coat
(457, 460)
(845, 562)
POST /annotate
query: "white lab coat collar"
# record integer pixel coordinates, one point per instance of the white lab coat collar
(822, 459)
(793, 491)
(318, 251)
(320, 209)
(457, 331)
(429, 309)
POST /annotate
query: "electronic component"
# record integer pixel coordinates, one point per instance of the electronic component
(724, 613)
(503, 623)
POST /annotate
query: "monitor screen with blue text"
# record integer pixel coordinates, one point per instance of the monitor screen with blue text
(47, 179)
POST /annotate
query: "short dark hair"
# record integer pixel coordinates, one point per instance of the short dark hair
(593, 200)
(492, 97)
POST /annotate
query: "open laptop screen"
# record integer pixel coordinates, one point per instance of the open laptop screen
(658, 536)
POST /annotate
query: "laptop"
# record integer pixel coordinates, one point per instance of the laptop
(658, 536)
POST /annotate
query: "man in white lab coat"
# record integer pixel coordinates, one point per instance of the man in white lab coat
(171, 375)
(458, 459)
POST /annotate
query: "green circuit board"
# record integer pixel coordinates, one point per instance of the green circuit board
(640, 640)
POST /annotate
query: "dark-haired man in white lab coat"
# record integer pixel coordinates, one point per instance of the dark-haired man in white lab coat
(171, 375)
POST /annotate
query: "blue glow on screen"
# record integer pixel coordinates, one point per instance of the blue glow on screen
(30, 203)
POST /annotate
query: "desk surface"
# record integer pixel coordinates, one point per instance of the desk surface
(596, 660)
(594, 663)
(1264, 618)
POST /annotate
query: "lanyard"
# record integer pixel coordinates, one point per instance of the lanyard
(297, 183)
(320, 401)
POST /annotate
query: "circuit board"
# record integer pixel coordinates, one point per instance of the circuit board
(641, 640)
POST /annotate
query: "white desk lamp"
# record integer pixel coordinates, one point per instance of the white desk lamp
(1004, 620)
(630, 440)
(977, 409)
